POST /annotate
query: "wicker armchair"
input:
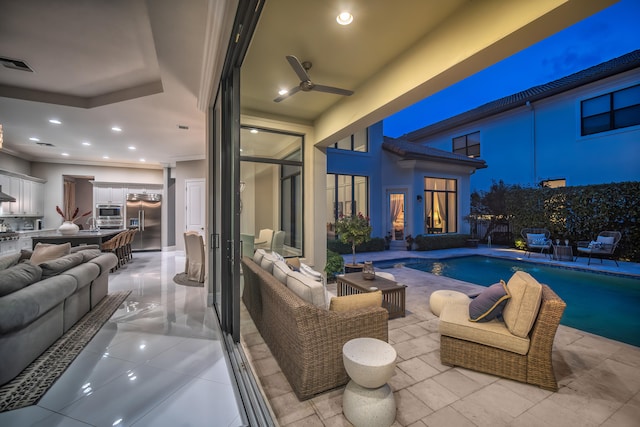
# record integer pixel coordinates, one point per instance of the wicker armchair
(534, 367)
(603, 247)
(536, 239)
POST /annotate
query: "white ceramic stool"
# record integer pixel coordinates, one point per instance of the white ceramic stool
(368, 400)
(442, 297)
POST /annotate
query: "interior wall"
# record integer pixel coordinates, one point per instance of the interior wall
(264, 196)
(84, 199)
(14, 164)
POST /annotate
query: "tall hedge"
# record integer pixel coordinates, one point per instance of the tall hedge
(580, 213)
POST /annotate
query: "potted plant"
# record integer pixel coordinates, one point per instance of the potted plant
(355, 230)
(409, 239)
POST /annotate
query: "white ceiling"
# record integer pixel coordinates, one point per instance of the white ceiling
(139, 65)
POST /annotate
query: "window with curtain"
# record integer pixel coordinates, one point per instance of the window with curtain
(441, 207)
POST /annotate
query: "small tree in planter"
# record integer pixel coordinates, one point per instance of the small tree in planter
(355, 230)
(410, 241)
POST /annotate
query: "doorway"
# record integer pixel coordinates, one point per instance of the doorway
(396, 213)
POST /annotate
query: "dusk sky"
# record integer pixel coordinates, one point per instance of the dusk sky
(611, 33)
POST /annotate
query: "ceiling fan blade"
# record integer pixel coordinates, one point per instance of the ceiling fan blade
(331, 89)
(288, 94)
(298, 68)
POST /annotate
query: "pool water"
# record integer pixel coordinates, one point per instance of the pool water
(602, 304)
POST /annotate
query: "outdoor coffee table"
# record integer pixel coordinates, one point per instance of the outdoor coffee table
(393, 294)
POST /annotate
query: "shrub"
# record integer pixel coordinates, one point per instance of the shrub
(432, 242)
(335, 265)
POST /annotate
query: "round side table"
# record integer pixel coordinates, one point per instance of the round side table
(368, 400)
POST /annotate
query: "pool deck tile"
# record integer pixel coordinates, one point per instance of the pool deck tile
(599, 378)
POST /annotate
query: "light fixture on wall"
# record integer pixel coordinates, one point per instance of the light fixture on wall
(419, 198)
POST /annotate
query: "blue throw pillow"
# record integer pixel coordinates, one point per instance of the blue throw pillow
(490, 303)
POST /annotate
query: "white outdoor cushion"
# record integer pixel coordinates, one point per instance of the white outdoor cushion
(280, 271)
(257, 255)
(605, 240)
(267, 262)
(306, 288)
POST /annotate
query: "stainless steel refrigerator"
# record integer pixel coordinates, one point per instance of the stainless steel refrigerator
(144, 213)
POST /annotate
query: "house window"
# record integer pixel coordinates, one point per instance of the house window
(271, 169)
(467, 145)
(356, 142)
(441, 206)
(347, 195)
(553, 183)
(611, 111)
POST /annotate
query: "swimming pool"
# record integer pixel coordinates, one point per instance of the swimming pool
(602, 304)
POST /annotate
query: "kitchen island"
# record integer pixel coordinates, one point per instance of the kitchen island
(84, 237)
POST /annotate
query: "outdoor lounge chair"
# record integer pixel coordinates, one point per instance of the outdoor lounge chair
(603, 247)
(536, 239)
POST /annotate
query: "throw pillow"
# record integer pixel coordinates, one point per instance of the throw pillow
(521, 309)
(310, 272)
(605, 240)
(45, 252)
(59, 265)
(17, 277)
(267, 262)
(490, 303)
(294, 263)
(7, 261)
(355, 302)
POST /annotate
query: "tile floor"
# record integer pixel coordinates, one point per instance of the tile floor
(599, 379)
(158, 361)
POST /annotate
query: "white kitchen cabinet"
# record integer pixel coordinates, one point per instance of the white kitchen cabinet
(15, 190)
(108, 194)
(28, 192)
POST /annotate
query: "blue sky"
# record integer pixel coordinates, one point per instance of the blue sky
(599, 38)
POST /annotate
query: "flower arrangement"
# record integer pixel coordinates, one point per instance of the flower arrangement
(353, 229)
(73, 217)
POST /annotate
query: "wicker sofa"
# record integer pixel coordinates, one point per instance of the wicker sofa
(491, 347)
(306, 340)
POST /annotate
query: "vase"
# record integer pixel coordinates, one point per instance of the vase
(368, 272)
(68, 228)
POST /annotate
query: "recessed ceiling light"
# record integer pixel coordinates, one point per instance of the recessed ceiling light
(55, 121)
(105, 157)
(345, 18)
(87, 143)
(34, 139)
(116, 129)
(64, 154)
(283, 92)
(254, 131)
(131, 147)
(142, 160)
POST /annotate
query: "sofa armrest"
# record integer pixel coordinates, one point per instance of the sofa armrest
(106, 261)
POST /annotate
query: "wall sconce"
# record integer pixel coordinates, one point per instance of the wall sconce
(419, 198)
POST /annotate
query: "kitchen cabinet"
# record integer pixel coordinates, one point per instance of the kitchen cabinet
(37, 198)
(29, 196)
(108, 194)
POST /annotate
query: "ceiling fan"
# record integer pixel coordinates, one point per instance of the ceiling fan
(306, 84)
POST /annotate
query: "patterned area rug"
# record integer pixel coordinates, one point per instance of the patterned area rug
(181, 279)
(32, 383)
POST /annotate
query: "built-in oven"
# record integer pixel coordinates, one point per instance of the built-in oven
(110, 215)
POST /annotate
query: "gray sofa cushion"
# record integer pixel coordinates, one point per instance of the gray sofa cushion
(106, 261)
(84, 273)
(81, 248)
(7, 261)
(59, 265)
(22, 307)
(18, 276)
(89, 254)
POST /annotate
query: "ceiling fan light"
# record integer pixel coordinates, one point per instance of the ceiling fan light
(345, 18)
(283, 92)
